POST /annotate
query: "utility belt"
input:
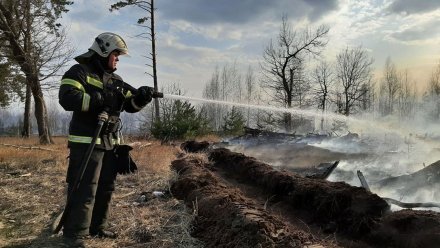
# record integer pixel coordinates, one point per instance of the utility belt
(112, 125)
(119, 157)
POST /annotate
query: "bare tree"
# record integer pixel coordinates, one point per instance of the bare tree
(150, 35)
(390, 87)
(434, 81)
(368, 98)
(433, 93)
(230, 83)
(213, 91)
(407, 96)
(353, 71)
(282, 61)
(323, 79)
(34, 42)
(250, 86)
(301, 87)
(224, 85)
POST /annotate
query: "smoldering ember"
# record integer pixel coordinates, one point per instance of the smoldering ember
(267, 189)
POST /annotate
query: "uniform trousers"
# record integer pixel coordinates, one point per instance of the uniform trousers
(91, 201)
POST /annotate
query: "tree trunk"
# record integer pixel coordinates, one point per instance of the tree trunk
(288, 116)
(288, 122)
(347, 105)
(323, 104)
(153, 53)
(27, 106)
(41, 112)
(25, 133)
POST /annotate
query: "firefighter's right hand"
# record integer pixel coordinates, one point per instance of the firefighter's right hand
(107, 100)
(103, 116)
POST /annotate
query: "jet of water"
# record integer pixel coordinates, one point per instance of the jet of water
(350, 121)
(295, 111)
(366, 125)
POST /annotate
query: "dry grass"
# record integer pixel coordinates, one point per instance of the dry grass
(32, 186)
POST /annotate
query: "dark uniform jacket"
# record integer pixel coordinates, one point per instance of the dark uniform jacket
(78, 92)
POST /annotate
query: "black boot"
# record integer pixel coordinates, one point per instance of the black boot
(103, 234)
(73, 242)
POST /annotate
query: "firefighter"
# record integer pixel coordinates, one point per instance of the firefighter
(91, 90)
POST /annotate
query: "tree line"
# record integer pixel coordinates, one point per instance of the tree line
(292, 74)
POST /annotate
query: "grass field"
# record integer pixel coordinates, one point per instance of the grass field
(32, 192)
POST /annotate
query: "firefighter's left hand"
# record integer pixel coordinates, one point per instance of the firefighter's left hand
(144, 95)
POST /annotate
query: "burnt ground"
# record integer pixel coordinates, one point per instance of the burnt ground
(242, 202)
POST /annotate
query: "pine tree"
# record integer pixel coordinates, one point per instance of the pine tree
(234, 122)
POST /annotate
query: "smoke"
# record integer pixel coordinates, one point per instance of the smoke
(385, 150)
(382, 148)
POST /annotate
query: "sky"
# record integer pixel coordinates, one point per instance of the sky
(193, 37)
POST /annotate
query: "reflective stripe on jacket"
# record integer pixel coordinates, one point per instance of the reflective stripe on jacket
(79, 87)
(88, 140)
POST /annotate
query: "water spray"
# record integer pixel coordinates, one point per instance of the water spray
(368, 126)
(390, 164)
(296, 111)
(365, 124)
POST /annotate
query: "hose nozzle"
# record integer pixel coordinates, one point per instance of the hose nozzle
(157, 94)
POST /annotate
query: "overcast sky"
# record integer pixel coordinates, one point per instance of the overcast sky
(195, 36)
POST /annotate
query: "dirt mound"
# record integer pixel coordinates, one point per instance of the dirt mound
(408, 228)
(352, 209)
(225, 218)
(231, 194)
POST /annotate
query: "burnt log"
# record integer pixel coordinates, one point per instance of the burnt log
(324, 170)
(412, 204)
(363, 180)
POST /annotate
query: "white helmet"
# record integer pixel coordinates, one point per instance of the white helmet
(107, 42)
(103, 45)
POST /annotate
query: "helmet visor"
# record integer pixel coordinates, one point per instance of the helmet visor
(121, 46)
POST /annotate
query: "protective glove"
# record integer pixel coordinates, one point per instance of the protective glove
(143, 96)
(103, 116)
